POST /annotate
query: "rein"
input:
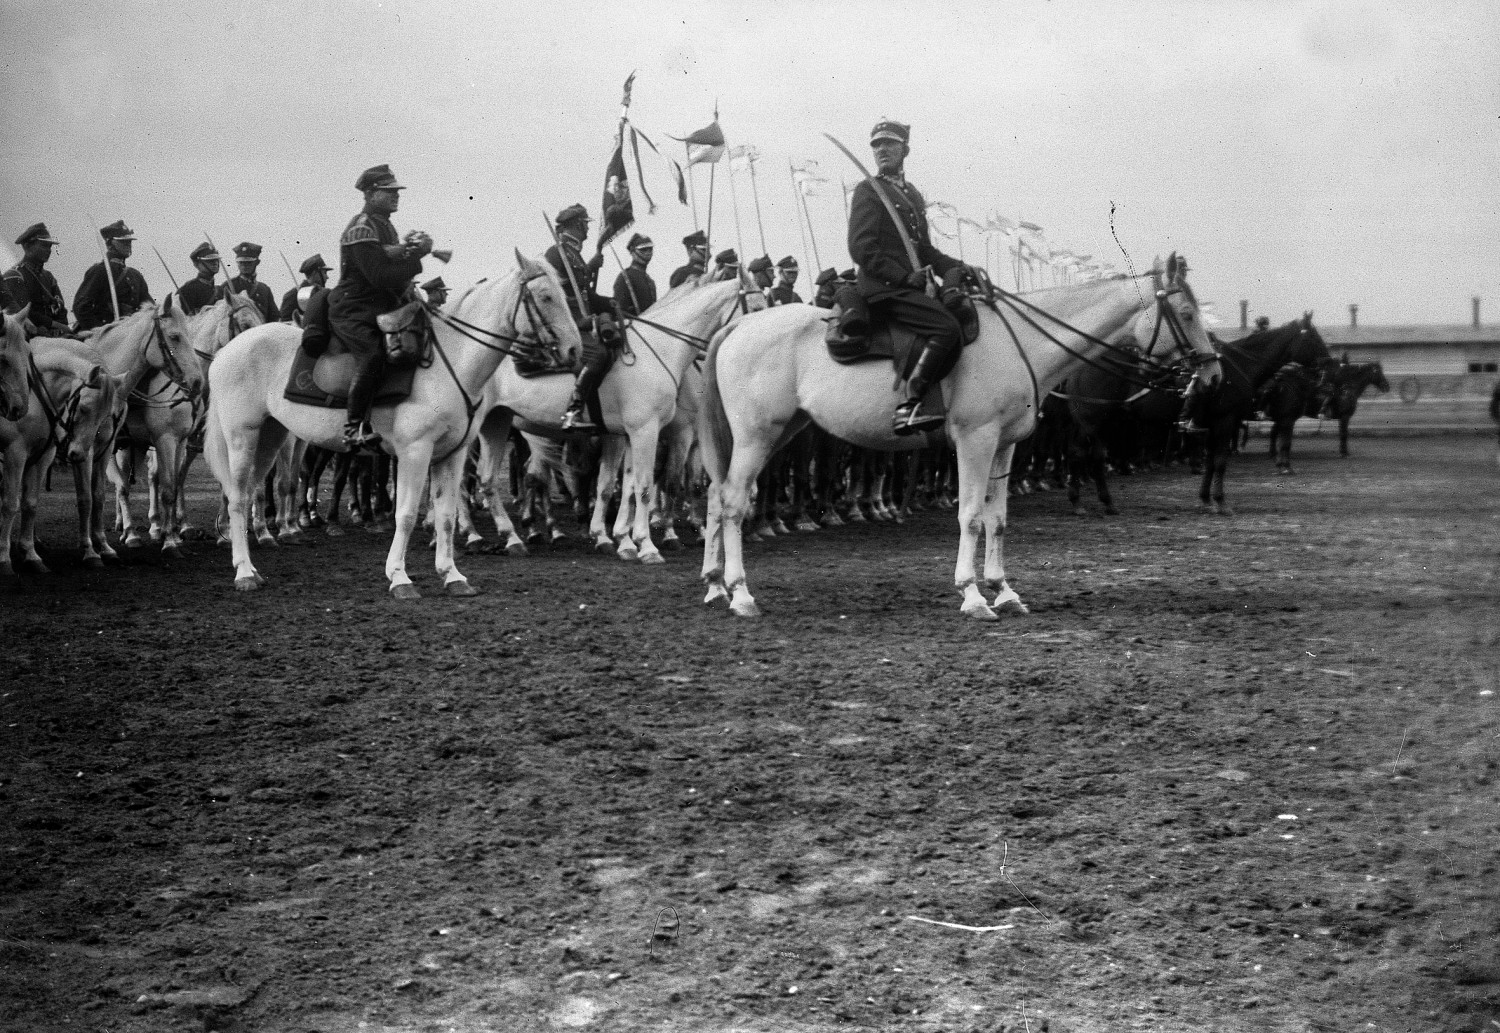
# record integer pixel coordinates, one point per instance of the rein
(699, 344)
(65, 417)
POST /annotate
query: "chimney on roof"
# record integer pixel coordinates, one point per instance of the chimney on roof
(1353, 317)
(1245, 314)
(1476, 313)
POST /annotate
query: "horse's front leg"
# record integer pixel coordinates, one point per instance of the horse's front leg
(977, 461)
(643, 445)
(611, 457)
(14, 461)
(156, 520)
(749, 458)
(445, 478)
(83, 488)
(1218, 467)
(1212, 443)
(120, 473)
(31, 494)
(164, 525)
(410, 476)
(996, 504)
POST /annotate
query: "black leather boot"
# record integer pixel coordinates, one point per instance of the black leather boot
(577, 416)
(909, 417)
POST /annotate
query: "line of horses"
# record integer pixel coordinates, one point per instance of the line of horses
(712, 385)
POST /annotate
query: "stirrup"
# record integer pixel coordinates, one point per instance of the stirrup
(577, 418)
(361, 437)
(910, 419)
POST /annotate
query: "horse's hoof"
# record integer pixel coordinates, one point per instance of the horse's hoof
(535, 538)
(806, 525)
(627, 553)
(133, 540)
(716, 591)
(34, 567)
(333, 531)
(517, 549)
(406, 591)
(155, 535)
(1224, 509)
(980, 611)
(171, 552)
(247, 584)
(1205, 509)
(744, 608)
(652, 559)
(559, 536)
(93, 562)
(293, 537)
(1079, 511)
(267, 539)
(833, 520)
(671, 544)
(460, 589)
(223, 541)
(605, 547)
(1012, 605)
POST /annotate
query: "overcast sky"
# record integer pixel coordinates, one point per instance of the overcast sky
(1302, 155)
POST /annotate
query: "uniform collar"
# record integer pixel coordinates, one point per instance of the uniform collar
(898, 179)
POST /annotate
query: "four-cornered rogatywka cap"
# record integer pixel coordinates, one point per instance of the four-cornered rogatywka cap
(728, 258)
(638, 241)
(886, 129)
(117, 230)
(247, 252)
(787, 263)
(826, 276)
(36, 233)
(572, 213)
(377, 177)
(204, 252)
(313, 264)
(697, 238)
(759, 265)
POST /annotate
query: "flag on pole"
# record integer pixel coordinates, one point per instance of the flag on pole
(965, 220)
(706, 146)
(618, 213)
(1000, 224)
(809, 177)
(1033, 227)
(741, 157)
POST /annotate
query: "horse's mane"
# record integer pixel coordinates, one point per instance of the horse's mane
(471, 293)
(689, 288)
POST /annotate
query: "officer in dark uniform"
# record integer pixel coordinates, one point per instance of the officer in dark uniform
(635, 291)
(28, 283)
(247, 257)
(827, 285)
(314, 278)
(783, 293)
(572, 231)
(696, 243)
(375, 266)
(91, 304)
(888, 282)
(760, 271)
(436, 291)
(203, 289)
(726, 264)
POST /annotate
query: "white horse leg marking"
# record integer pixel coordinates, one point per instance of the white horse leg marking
(976, 454)
(411, 472)
(643, 445)
(749, 459)
(444, 479)
(997, 501)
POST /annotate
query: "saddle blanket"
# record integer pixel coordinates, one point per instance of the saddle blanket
(324, 381)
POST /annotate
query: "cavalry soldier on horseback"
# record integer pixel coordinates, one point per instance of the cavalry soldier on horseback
(827, 285)
(92, 305)
(375, 266)
(314, 278)
(727, 264)
(28, 283)
(202, 290)
(696, 243)
(437, 291)
(783, 293)
(247, 257)
(592, 310)
(887, 280)
(635, 291)
(760, 269)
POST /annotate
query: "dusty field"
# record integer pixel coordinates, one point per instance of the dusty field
(312, 808)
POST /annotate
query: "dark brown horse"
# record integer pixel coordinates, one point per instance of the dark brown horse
(1291, 394)
(1248, 363)
(1349, 382)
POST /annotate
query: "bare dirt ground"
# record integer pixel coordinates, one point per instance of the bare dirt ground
(1230, 775)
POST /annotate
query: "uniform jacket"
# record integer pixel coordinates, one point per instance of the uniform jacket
(586, 275)
(374, 269)
(258, 293)
(682, 272)
(91, 305)
(783, 294)
(197, 294)
(28, 285)
(289, 312)
(633, 278)
(875, 243)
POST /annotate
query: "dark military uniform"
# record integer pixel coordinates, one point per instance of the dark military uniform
(635, 291)
(374, 271)
(91, 305)
(288, 312)
(875, 244)
(783, 294)
(198, 294)
(258, 293)
(596, 356)
(682, 272)
(27, 284)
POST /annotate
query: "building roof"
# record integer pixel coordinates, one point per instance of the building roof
(1389, 336)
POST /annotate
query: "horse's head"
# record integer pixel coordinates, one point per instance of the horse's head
(1309, 347)
(1177, 318)
(171, 340)
(93, 404)
(541, 313)
(752, 298)
(15, 367)
(1377, 377)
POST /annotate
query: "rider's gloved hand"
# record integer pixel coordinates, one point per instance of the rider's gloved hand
(917, 281)
(595, 262)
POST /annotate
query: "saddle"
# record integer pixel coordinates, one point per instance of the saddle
(856, 334)
(323, 367)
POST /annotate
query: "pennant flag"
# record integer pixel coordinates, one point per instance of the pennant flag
(1000, 224)
(629, 82)
(965, 220)
(1033, 227)
(673, 165)
(706, 146)
(809, 177)
(742, 156)
(616, 207)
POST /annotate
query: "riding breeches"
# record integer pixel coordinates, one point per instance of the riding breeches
(597, 360)
(366, 343)
(929, 319)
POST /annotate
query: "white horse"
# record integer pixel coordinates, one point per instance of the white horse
(638, 397)
(770, 374)
(248, 417)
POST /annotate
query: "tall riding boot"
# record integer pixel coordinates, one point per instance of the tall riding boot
(358, 434)
(909, 417)
(577, 416)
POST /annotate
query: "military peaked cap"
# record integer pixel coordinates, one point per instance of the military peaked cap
(247, 252)
(435, 284)
(697, 238)
(826, 276)
(572, 213)
(639, 240)
(117, 230)
(888, 130)
(377, 177)
(759, 265)
(849, 274)
(787, 263)
(727, 257)
(313, 264)
(204, 252)
(36, 233)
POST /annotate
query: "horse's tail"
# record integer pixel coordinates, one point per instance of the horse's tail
(714, 434)
(215, 446)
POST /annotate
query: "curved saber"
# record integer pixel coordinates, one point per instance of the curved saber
(168, 268)
(911, 249)
(567, 266)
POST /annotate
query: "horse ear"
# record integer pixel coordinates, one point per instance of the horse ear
(1307, 319)
(527, 266)
(166, 306)
(20, 317)
(95, 378)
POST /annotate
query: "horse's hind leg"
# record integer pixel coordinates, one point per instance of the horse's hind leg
(1100, 474)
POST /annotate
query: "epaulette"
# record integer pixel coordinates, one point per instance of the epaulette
(359, 232)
